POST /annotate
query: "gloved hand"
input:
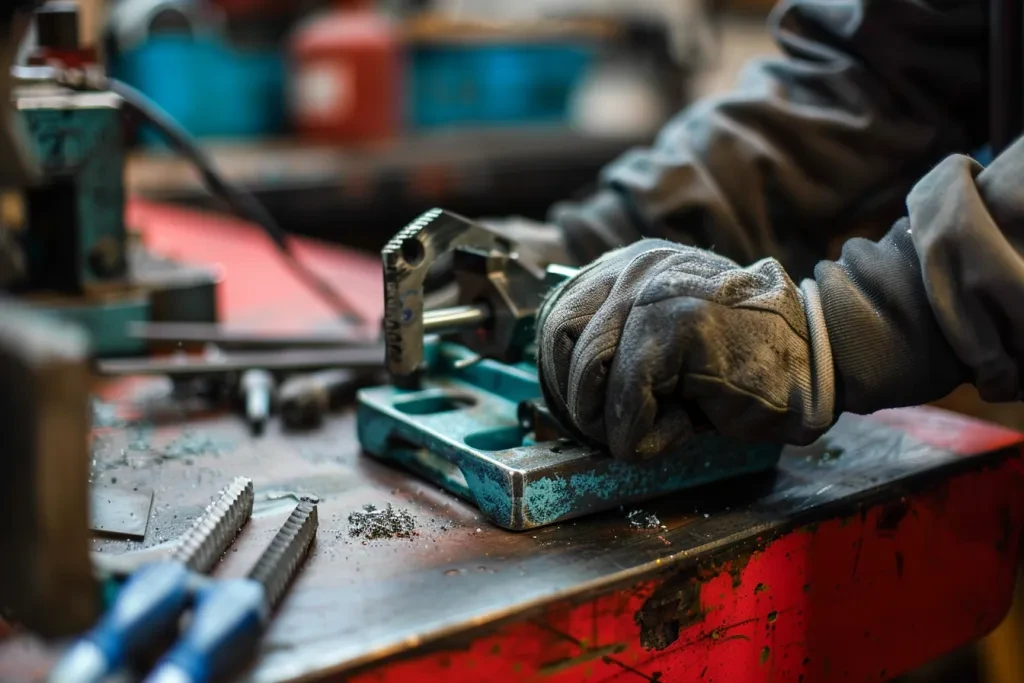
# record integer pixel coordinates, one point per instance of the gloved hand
(656, 337)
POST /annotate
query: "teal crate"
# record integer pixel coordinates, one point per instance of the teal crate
(212, 88)
(494, 84)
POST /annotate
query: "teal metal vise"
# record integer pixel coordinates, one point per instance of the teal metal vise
(469, 414)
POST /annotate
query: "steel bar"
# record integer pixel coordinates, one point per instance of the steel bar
(202, 545)
(455, 318)
(286, 360)
(212, 333)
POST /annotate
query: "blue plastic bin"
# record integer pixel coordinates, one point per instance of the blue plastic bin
(211, 88)
(452, 84)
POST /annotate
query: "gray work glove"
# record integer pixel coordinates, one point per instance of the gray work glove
(656, 338)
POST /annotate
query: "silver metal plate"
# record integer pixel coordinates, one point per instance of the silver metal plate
(119, 511)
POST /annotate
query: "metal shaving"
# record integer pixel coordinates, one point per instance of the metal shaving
(638, 519)
(373, 523)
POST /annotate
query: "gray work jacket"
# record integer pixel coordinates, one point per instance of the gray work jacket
(869, 115)
(809, 147)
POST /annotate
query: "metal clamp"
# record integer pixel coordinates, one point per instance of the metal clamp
(408, 258)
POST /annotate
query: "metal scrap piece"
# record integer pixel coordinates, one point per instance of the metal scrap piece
(119, 511)
(408, 257)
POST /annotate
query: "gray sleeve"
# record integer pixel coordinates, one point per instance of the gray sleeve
(940, 300)
(867, 97)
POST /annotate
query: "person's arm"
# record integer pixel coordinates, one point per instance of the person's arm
(867, 97)
(942, 296)
(655, 338)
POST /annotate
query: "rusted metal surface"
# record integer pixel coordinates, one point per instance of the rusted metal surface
(842, 544)
(853, 598)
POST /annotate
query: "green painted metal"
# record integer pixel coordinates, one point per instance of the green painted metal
(106, 322)
(75, 241)
(79, 136)
(461, 431)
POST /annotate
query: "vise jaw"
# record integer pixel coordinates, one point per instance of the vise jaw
(498, 295)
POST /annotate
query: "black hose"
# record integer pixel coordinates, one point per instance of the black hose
(240, 201)
(1006, 73)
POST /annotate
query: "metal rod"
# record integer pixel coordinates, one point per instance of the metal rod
(351, 357)
(283, 558)
(562, 272)
(212, 333)
(455, 318)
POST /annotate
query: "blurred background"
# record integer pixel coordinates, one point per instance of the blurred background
(348, 117)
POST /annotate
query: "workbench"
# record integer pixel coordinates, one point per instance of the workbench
(892, 540)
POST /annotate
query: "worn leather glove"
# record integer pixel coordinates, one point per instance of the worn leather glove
(655, 338)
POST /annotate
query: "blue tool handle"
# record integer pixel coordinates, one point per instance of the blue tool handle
(226, 626)
(146, 608)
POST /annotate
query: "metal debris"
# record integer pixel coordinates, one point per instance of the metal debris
(141, 437)
(372, 523)
(277, 494)
(195, 443)
(638, 519)
(105, 414)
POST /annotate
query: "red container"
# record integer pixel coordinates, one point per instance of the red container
(345, 78)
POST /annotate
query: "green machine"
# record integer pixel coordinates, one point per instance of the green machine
(78, 258)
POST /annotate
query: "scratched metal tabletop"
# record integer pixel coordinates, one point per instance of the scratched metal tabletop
(359, 602)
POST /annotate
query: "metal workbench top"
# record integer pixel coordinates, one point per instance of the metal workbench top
(917, 476)
(362, 602)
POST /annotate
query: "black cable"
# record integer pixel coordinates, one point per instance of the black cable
(240, 201)
(1006, 73)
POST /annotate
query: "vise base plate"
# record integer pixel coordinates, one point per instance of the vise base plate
(461, 430)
